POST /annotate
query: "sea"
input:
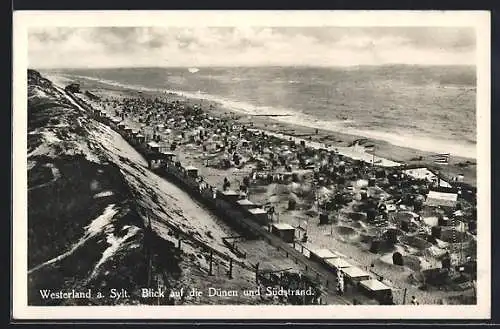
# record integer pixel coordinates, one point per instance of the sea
(430, 108)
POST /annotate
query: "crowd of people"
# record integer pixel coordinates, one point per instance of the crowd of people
(377, 192)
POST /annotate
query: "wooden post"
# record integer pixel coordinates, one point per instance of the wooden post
(257, 273)
(148, 249)
(302, 283)
(158, 298)
(150, 266)
(211, 261)
(404, 297)
(230, 268)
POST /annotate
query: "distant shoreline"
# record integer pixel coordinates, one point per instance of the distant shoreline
(458, 165)
(57, 70)
(427, 140)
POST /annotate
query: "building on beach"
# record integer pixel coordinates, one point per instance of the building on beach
(377, 290)
(336, 264)
(428, 175)
(441, 199)
(231, 195)
(246, 204)
(259, 215)
(319, 255)
(285, 231)
(191, 171)
(354, 275)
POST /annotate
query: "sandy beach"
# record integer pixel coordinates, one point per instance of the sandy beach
(383, 151)
(253, 165)
(345, 235)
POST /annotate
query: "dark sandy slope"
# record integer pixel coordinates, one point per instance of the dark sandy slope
(88, 193)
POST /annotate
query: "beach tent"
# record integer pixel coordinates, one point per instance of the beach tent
(434, 252)
(421, 173)
(324, 193)
(362, 183)
(390, 207)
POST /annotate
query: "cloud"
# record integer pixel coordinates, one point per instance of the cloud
(231, 46)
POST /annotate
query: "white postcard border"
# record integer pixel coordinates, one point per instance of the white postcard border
(23, 20)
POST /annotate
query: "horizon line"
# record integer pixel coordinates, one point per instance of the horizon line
(250, 66)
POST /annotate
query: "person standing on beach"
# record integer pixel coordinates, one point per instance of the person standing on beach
(340, 282)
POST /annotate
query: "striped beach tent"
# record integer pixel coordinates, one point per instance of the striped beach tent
(442, 158)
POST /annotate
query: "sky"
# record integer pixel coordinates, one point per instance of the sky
(96, 47)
